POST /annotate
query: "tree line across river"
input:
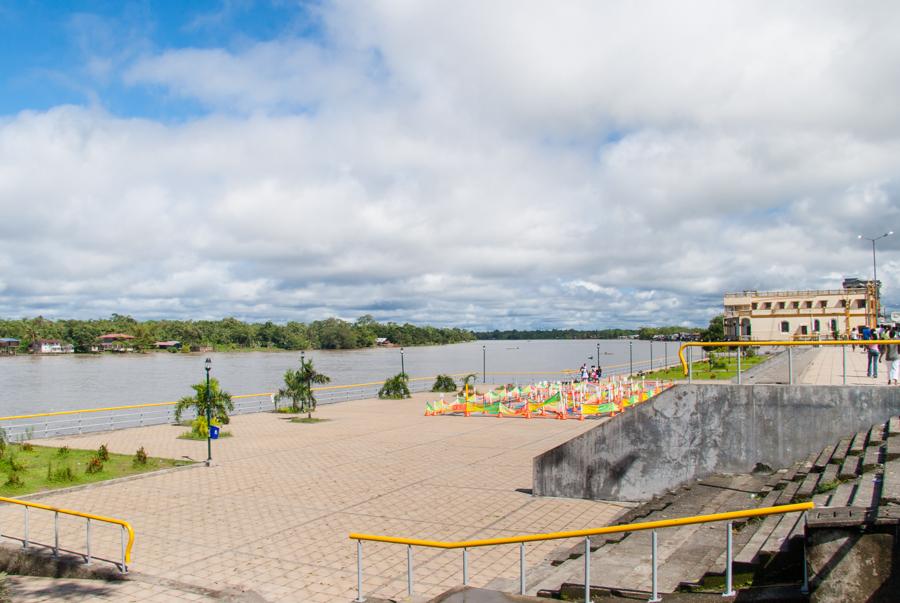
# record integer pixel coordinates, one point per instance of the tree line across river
(330, 334)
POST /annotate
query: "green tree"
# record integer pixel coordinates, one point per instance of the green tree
(716, 329)
(395, 388)
(298, 387)
(219, 401)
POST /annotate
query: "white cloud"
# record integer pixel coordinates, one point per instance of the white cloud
(501, 164)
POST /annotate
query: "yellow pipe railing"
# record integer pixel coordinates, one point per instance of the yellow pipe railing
(745, 344)
(126, 547)
(586, 534)
(632, 527)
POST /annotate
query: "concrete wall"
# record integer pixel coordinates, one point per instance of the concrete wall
(692, 431)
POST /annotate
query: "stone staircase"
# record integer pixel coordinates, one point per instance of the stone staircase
(857, 476)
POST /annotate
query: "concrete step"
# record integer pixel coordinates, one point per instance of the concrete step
(858, 444)
(750, 551)
(851, 468)
(892, 450)
(780, 536)
(871, 458)
(840, 451)
(894, 427)
(841, 495)
(824, 457)
(808, 486)
(876, 435)
(864, 496)
(890, 485)
(829, 474)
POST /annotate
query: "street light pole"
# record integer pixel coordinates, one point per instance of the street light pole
(402, 364)
(208, 417)
(875, 271)
(630, 358)
(484, 364)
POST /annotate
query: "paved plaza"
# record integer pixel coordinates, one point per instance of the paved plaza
(827, 368)
(271, 517)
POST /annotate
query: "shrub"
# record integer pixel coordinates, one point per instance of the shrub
(62, 473)
(395, 388)
(14, 480)
(63, 451)
(14, 463)
(220, 401)
(95, 465)
(444, 383)
(103, 453)
(140, 457)
(200, 429)
(27, 447)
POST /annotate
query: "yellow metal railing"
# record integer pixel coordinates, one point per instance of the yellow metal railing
(126, 543)
(788, 344)
(728, 517)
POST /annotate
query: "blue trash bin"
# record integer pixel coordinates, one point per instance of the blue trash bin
(213, 432)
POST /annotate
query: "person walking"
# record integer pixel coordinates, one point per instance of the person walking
(892, 356)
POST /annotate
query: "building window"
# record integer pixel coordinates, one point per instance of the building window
(809, 304)
(834, 326)
(823, 303)
(753, 306)
(785, 326)
(816, 326)
(860, 303)
(781, 305)
(804, 330)
(768, 306)
(795, 304)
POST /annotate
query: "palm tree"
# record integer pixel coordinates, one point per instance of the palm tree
(220, 401)
(298, 387)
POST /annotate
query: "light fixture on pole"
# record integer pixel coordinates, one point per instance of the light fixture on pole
(630, 358)
(484, 364)
(208, 416)
(875, 271)
(402, 364)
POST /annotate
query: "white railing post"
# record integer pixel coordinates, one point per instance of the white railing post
(804, 588)
(690, 365)
(409, 570)
(56, 533)
(790, 365)
(729, 591)
(359, 571)
(521, 568)
(844, 354)
(654, 589)
(739, 365)
(87, 538)
(465, 566)
(25, 541)
(122, 543)
(587, 569)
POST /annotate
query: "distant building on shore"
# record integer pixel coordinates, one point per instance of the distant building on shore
(165, 345)
(801, 315)
(8, 346)
(51, 346)
(113, 342)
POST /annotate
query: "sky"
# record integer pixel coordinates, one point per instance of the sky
(503, 164)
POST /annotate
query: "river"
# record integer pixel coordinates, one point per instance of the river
(31, 384)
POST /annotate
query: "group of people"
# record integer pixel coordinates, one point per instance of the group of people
(594, 373)
(889, 353)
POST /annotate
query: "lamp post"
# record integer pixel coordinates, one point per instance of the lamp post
(484, 364)
(402, 364)
(630, 358)
(875, 271)
(208, 416)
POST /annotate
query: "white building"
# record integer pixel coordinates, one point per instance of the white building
(800, 315)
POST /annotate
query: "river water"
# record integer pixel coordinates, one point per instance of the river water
(31, 384)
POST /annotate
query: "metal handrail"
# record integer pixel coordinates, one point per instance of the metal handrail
(125, 526)
(753, 344)
(465, 545)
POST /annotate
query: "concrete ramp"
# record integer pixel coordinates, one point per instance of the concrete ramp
(692, 431)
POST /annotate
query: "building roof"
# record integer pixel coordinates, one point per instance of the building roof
(116, 336)
(169, 343)
(8, 340)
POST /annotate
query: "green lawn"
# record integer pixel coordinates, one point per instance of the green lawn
(702, 370)
(43, 468)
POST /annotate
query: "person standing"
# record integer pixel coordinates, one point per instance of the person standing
(873, 352)
(892, 356)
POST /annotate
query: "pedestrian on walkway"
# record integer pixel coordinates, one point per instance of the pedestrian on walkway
(892, 356)
(873, 353)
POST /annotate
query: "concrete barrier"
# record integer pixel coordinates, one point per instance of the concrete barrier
(692, 431)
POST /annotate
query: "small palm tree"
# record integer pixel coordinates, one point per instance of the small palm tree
(298, 387)
(220, 402)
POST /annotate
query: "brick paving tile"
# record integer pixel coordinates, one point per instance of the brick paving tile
(273, 513)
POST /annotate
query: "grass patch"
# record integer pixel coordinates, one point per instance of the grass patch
(308, 420)
(713, 583)
(37, 468)
(827, 486)
(726, 370)
(193, 435)
(286, 410)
